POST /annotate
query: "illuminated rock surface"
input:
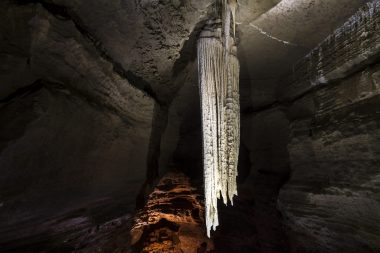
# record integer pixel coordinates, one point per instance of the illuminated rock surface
(172, 220)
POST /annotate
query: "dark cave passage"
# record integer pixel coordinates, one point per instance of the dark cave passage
(102, 127)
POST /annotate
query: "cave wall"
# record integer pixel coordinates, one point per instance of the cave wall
(331, 202)
(73, 130)
(181, 143)
(84, 96)
(57, 152)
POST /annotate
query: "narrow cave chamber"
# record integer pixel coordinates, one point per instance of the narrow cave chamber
(102, 125)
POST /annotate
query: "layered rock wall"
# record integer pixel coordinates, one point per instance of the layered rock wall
(72, 128)
(331, 201)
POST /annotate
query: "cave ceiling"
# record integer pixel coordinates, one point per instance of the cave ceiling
(149, 42)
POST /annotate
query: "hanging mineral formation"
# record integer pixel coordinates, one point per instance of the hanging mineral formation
(218, 70)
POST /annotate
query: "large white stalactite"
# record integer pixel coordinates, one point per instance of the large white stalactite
(218, 70)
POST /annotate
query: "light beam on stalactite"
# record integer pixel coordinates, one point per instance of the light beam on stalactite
(218, 70)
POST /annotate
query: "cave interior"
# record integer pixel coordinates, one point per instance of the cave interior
(101, 127)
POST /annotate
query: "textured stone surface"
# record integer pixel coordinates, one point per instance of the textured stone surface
(172, 219)
(354, 44)
(302, 23)
(73, 129)
(85, 95)
(143, 38)
(333, 195)
(81, 70)
(331, 201)
(92, 226)
(98, 157)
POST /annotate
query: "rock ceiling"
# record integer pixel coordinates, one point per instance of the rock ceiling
(147, 42)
